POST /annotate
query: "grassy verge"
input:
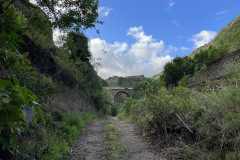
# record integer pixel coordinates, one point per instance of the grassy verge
(115, 150)
(52, 141)
(123, 116)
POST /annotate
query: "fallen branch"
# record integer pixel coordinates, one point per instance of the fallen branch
(184, 123)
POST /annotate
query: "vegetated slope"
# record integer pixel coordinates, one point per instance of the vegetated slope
(229, 37)
(227, 41)
(131, 81)
(70, 69)
(187, 123)
(33, 73)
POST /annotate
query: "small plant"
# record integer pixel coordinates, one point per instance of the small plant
(114, 148)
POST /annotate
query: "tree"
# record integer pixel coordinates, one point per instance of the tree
(77, 44)
(65, 14)
(175, 70)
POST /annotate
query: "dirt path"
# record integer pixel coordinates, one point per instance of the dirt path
(138, 149)
(92, 146)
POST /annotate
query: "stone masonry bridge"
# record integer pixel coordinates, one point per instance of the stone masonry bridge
(116, 91)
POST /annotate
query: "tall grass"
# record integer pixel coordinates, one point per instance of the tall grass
(205, 123)
(52, 142)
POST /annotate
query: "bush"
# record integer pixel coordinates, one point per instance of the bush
(52, 141)
(114, 111)
(208, 121)
(175, 70)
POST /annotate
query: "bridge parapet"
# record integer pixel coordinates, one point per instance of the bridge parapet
(116, 90)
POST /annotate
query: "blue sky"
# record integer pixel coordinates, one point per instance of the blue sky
(141, 36)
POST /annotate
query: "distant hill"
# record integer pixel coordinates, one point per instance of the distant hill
(156, 76)
(130, 81)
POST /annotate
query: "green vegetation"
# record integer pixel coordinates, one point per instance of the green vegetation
(224, 43)
(175, 70)
(206, 123)
(192, 124)
(68, 15)
(179, 67)
(114, 148)
(131, 81)
(52, 141)
(33, 69)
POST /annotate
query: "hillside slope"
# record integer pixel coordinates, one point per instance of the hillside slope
(46, 92)
(130, 81)
(229, 36)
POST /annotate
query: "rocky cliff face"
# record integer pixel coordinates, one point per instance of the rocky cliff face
(216, 69)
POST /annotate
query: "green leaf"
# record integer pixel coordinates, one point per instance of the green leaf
(29, 112)
(4, 84)
(26, 54)
(40, 114)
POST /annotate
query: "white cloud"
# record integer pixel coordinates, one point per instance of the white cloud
(175, 22)
(58, 36)
(146, 46)
(203, 38)
(171, 3)
(222, 12)
(104, 12)
(33, 1)
(184, 49)
(146, 56)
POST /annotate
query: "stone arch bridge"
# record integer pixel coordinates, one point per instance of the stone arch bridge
(114, 91)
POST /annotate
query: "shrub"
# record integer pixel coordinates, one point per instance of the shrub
(114, 110)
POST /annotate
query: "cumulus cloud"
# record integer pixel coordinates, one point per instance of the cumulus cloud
(203, 38)
(222, 12)
(145, 56)
(104, 12)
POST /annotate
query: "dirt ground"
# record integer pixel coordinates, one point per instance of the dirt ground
(136, 145)
(91, 145)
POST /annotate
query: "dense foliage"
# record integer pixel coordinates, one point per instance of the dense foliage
(131, 81)
(189, 124)
(23, 91)
(51, 141)
(67, 15)
(18, 103)
(179, 67)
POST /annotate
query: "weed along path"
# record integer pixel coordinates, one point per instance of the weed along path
(112, 139)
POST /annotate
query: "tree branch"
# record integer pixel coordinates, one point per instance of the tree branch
(183, 122)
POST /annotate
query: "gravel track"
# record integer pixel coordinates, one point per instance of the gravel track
(91, 145)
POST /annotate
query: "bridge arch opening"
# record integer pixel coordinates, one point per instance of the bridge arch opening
(120, 96)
